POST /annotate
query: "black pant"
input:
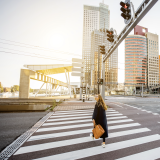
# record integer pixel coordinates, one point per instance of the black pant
(103, 138)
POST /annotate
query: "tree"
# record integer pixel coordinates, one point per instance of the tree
(1, 88)
(15, 88)
(31, 90)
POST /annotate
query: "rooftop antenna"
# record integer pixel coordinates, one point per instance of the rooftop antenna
(103, 1)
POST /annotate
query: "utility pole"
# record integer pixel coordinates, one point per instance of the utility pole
(98, 66)
(103, 69)
(142, 89)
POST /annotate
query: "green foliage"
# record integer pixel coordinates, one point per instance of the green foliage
(54, 105)
(30, 90)
(1, 89)
(14, 88)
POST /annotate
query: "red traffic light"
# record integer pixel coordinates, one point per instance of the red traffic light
(124, 5)
(110, 32)
(126, 11)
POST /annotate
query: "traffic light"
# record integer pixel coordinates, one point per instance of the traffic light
(110, 36)
(102, 50)
(126, 11)
(101, 81)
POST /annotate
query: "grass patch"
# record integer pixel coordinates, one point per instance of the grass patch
(53, 105)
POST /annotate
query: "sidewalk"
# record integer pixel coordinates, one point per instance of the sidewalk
(73, 104)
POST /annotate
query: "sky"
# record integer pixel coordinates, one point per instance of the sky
(52, 30)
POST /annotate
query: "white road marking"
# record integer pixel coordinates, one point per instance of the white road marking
(118, 105)
(40, 147)
(146, 155)
(69, 133)
(79, 112)
(114, 115)
(155, 113)
(77, 115)
(85, 114)
(72, 118)
(85, 110)
(99, 150)
(88, 120)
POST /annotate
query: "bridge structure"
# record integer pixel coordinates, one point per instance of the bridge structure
(41, 73)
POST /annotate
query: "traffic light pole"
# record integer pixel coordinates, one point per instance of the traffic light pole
(98, 66)
(142, 10)
(103, 77)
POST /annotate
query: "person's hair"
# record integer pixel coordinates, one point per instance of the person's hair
(101, 102)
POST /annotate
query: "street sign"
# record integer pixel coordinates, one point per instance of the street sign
(77, 65)
(77, 60)
(77, 69)
(76, 74)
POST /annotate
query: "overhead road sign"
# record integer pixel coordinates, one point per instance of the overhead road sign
(77, 69)
(77, 60)
(76, 74)
(77, 65)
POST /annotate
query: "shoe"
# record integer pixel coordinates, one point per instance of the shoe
(91, 135)
(103, 145)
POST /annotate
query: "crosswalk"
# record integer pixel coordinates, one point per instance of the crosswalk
(65, 136)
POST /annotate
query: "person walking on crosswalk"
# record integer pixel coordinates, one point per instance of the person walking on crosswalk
(99, 116)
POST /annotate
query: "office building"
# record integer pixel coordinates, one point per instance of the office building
(135, 62)
(111, 65)
(141, 59)
(159, 69)
(93, 18)
(153, 59)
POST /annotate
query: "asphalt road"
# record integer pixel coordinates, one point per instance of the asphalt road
(133, 134)
(149, 104)
(12, 125)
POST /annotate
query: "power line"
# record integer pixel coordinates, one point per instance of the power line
(40, 57)
(36, 47)
(29, 53)
(34, 56)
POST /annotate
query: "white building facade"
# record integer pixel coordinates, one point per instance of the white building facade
(153, 59)
(94, 18)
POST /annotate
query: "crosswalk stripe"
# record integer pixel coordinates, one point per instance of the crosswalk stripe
(89, 130)
(50, 145)
(73, 115)
(147, 155)
(66, 127)
(86, 111)
(110, 115)
(119, 117)
(88, 120)
(82, 110)
(98, 150)
(72, 118)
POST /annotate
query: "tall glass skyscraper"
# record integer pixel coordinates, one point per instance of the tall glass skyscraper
(141, 59)
(136, 61)
(111, 64)
(93, 18)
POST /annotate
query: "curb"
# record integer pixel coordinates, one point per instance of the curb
(15, 145)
